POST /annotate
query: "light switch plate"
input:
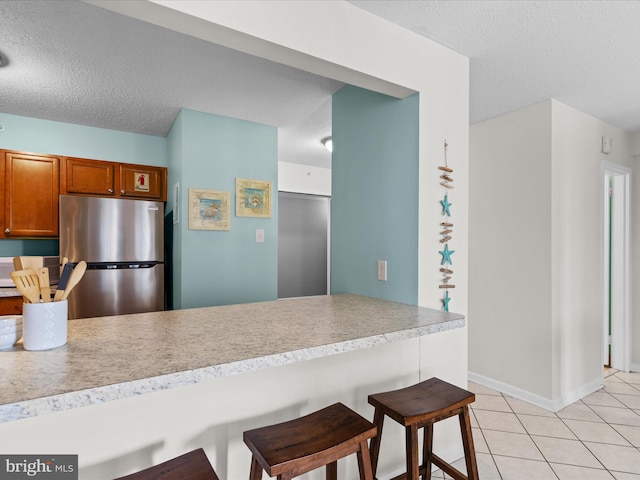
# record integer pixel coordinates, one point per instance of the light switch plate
(260, 235)
(382, 270)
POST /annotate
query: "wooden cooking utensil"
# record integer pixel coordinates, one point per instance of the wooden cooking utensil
(76, 276)
(45, 287)
(27, 263)
(27, 283)
(64, 278)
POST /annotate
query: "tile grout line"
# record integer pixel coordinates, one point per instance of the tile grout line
(488, 447)
(530, 437)
(590, 408)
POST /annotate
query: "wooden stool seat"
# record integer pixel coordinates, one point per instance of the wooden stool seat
(190, 466)
(420, 406)
(319, 439)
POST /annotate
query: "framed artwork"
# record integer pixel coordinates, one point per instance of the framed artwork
(253, 198)
(208, 209)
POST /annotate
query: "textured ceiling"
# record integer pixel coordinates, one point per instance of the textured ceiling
(78, 63)
(583, 53)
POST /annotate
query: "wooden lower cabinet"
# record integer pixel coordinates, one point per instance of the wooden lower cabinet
(11, 305)
(31, 185)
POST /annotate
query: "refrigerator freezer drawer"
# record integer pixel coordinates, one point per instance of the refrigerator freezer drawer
(118, 292)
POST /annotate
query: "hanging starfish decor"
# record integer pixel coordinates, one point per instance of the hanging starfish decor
(446, 205)
(446, 255)
(445, 301)
(446, 234)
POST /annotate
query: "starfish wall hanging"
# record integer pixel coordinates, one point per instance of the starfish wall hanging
(447, 231)
(446, 206)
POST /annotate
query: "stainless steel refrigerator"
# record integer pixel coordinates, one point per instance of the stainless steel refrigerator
(122, 242)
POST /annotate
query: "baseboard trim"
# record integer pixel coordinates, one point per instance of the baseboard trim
(553, 405)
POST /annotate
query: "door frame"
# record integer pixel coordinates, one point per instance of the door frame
(621, 323)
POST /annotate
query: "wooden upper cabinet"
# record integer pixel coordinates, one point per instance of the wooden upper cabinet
(88, 177)
(81, 176)
(30, 192)
(142, 182)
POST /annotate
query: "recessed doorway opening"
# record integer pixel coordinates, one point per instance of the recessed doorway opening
(616, 182)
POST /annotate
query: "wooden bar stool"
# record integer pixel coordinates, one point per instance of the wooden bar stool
(420, 406)
(319, 439)
(190, 466)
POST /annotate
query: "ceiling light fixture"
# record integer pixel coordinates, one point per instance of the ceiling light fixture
(328, 143)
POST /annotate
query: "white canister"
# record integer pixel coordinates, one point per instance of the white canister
(44, 325)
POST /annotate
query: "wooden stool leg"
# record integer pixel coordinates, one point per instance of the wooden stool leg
(332, 471)
(378, 421)
(427, 450)
(256, 469)
(413, 470)
(467, 443)
(364, 462)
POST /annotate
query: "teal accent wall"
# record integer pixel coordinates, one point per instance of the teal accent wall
(374, 204)
(223, 267)
(58, 138)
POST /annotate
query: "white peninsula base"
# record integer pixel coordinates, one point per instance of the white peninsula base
(126, 435)
(186, 379)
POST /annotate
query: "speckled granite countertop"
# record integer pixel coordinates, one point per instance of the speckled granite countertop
(6, 292)
(9, 292)
(117, 357)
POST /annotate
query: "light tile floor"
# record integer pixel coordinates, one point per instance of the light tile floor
(596, 438)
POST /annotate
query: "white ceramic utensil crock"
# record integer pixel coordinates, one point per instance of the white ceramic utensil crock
(44, 325)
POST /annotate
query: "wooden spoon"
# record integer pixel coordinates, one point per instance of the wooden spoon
(76, 276)
(27, 283)
(45, 287)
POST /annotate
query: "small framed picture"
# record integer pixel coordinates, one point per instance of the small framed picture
(208, 209)
(253, 198)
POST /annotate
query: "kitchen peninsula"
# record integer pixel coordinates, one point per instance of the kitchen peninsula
(132, 390)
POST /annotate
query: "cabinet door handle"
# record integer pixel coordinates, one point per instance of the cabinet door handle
(7, 231)
(122, 192)
(110, 190)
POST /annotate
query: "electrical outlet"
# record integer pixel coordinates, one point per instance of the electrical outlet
(382, 270)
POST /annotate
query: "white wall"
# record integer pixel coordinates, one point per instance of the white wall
(634, 143)
(536, 196)
(510, 249)
(634, 149)
(576, 240)
(294, 177)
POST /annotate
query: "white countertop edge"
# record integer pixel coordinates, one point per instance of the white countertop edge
(92, 396)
